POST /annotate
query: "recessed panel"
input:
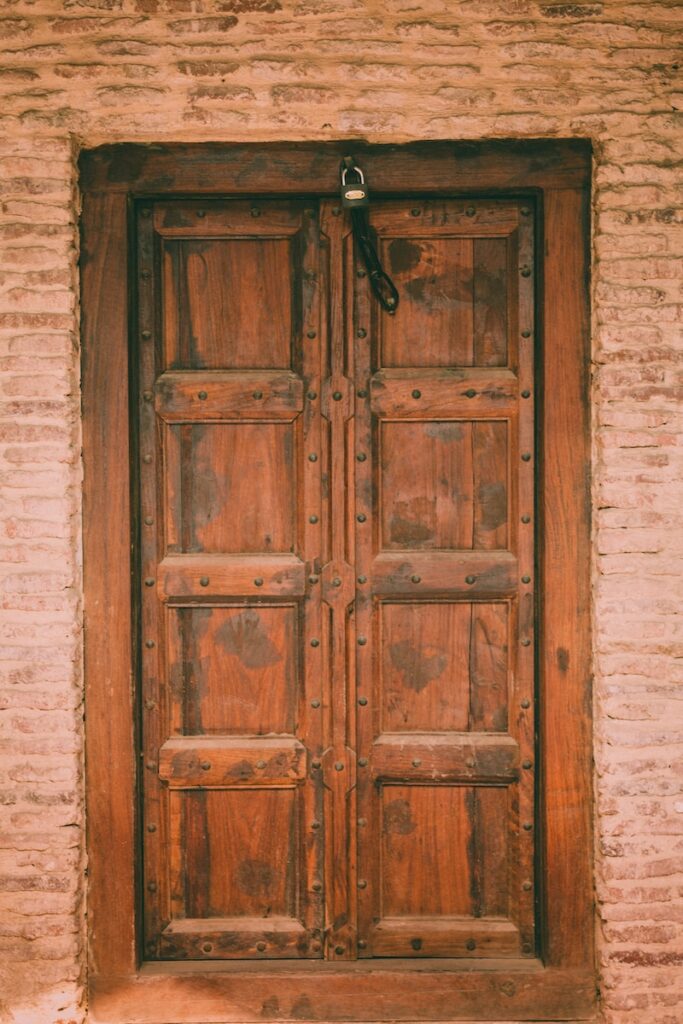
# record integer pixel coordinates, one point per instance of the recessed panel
(240, 852)
(234, 670)
(444, 484)
(232, 487)
(444, 851)
(444, 666)
(228, 303)
(453, 302)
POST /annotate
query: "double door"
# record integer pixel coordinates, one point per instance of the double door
(336, 581)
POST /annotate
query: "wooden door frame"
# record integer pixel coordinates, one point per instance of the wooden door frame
(560, 984)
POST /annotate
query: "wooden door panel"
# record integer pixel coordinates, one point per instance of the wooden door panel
(231, 487)
(232, 864)
(255, 647)
(444, 666)
(452, 493)
(446, 806)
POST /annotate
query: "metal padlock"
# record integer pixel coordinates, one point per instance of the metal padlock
(354, 194)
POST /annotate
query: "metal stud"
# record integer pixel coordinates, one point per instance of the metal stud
(526, 947)
(201, 396)
(207, 947)
(149, 643)
(470, 211)
(416, 393)
(470, 944)
(317, 887)
(201, 213)
(525, 271)
(361, 456)
(315, 703)
(362, 884)
(339, 950)
(363, 762)
(147, 459)
(310, 334)
(257, 394)
(527, 765)
(255, 212)
(526, 579)
(149, 582)
(206, 766)
(336, 582)
(261, 947)
(526, 519)
(526, 642)
(316, 765)
(312, 395)
(526, 334)
(415, 212)
(416, 762)
(151, 828)
(150, 705)
(362, 822)
(146, 335)
(361, 333)
(527, 886)
(312, 457)
(362, 579)
(361, 517)
(360, 273)
(470, 393)
(149, 521)
(337, 395)
(362, 944)
(415, 579)
(339, 766)
(204, 581)
(151, 886)
(258, 582)
(363, 701)
(526, 703)
(261, 764)
(315, 642)
(362, 640)
(470, 579)
(313, 519)
(526, 393)
(312, 580)
(362, 393)
(147, 395)
(315, 825)
(527, 826)
(526, 457)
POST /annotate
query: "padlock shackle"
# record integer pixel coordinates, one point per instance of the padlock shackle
(358, 172)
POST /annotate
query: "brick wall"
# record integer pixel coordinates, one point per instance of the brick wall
(81, 72)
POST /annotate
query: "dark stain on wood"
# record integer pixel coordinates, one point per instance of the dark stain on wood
(398, 819)
(493, 505)
(302, 1009)
(241, 770)
(418, 666)
(445, 431)
(244, 636)
(254, 877)
(562, 659)
(404, 255)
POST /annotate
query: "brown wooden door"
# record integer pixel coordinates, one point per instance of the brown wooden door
(336, 581)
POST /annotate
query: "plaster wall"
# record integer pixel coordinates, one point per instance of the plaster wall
(79, 73)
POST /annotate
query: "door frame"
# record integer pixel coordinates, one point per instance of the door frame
(560, 984)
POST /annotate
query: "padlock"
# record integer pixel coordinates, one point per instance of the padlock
(354, 194)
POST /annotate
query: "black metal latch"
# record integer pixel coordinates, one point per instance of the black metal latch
(355, 197)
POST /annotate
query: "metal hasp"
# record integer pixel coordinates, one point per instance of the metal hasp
(355, 197)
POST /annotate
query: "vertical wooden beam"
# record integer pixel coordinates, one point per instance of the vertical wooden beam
(110, 750)
(565, 701)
